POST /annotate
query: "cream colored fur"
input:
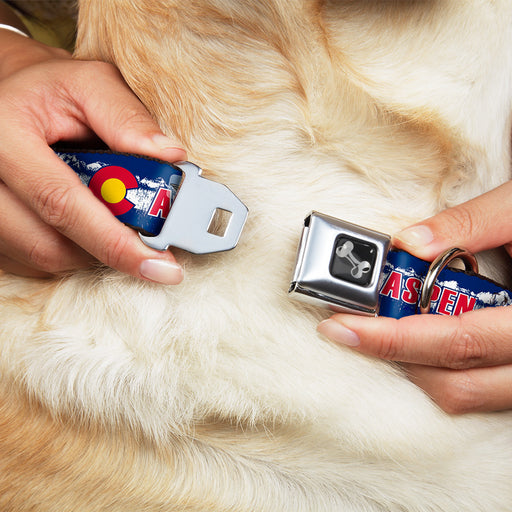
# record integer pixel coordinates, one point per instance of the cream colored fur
(218, 395)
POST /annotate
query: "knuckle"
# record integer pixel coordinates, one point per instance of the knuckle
(98, 68)
(79, 83)
(128, 119)
(115, 251)
(465, 348)
(386, 349)
(460, 394)
(389, 345)
(44, 257)
(460, 221)
(53, 204)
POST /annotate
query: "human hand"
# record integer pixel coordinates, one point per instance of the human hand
(50, 222)
(463, 362)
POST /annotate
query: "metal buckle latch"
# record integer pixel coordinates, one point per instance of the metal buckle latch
(197, 200)
(339, 265)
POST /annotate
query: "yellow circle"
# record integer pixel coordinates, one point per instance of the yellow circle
(113, 190)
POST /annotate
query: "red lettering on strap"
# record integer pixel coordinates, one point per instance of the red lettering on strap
(391, 287)
(464, 303)
(435, 293)
(411, 293)
(446, 301)
(161, 204)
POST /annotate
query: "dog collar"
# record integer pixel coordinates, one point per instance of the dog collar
(169, 204)
(352, 269)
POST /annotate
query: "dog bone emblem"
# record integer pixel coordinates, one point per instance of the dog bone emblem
(358, 267)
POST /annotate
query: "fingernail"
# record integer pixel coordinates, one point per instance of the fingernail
(164, 143)
(416, 236)
(161, 271)
(338, 333)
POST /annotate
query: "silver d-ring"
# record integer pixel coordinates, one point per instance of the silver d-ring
(435, 269)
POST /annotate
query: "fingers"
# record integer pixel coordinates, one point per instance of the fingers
(69, 100)
(117, 116)
(43, 105)
(14, 267)
(459, 392)
(479, 224)
(464, 363)
(62, 100)
(474, 339)
(28, 246)
(59, 199)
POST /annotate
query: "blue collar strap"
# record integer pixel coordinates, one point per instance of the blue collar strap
(341, 265)
(454, 292)
(170, 205)
(351, 269)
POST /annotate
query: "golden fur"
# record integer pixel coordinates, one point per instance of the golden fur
(217, 394)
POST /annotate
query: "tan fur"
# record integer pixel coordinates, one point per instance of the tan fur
(217, 394)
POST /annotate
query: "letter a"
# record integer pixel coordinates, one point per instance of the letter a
(162, 204)
(391, 287)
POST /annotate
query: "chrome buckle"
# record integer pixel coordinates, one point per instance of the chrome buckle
(191, 214)
(339, 265)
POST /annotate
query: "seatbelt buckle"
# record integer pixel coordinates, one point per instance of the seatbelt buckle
(339, 265)
(189, 222)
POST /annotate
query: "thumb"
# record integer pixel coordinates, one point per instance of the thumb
(476, 225)
(119, 118)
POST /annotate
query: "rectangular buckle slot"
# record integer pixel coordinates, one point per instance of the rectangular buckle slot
(219, 222)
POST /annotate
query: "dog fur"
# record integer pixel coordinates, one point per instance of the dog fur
(217, 394)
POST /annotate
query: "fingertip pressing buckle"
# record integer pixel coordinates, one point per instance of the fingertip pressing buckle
(188, 223)
(437, 266)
